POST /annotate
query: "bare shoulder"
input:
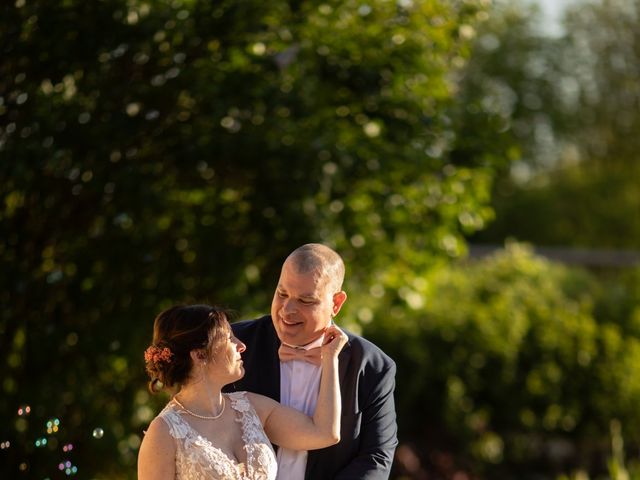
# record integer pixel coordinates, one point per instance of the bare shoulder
(158, 426)
(156, 459)
(260, 401)
(158, 436)
(262, 405)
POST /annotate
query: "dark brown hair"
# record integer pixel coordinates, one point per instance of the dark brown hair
(181, 329)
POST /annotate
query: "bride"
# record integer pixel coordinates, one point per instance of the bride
(203, 434)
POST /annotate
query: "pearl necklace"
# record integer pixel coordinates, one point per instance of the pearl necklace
(203, 417)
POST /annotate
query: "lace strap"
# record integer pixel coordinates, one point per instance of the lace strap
(252, 430)
(178, 428)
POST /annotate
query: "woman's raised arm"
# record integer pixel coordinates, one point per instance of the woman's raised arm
(290, 428)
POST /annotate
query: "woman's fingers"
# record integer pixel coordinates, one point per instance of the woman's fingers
(335, 338)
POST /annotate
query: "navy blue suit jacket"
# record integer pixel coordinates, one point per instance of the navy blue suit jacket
(367, 381)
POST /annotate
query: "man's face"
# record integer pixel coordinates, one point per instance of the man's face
(302, 306)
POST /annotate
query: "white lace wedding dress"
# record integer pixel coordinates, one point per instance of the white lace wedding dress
(198, 459)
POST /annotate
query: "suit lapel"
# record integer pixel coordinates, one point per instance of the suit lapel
(343, 365)
(271, 380)
(315, 456)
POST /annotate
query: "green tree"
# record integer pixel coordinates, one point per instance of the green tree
(167, 151)
(570, 110)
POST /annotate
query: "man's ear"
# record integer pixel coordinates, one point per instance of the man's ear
(338, 300)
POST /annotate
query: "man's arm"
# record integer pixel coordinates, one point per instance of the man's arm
(378, 433)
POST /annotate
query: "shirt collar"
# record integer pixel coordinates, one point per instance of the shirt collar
(316, 343)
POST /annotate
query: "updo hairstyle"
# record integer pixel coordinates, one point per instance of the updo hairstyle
(176, 332)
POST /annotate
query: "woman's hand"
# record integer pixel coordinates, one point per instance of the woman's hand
(334, 340)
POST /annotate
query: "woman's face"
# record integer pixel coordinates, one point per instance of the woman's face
(226, 362)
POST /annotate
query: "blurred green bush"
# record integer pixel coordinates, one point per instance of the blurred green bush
(514, 365)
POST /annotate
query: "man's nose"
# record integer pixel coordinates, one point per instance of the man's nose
(289, 306)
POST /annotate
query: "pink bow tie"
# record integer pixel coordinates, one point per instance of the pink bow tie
(313, 355)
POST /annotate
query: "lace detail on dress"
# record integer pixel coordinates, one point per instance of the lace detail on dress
(198, 459)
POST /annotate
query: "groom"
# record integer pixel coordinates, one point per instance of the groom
(281, 362)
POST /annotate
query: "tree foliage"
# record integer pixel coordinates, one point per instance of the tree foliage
(165, 151)
(523, 364)
(569, 105)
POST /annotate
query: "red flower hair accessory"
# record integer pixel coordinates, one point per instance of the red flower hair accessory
(156, 355)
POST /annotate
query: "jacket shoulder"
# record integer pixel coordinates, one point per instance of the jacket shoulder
(251, 325)
(369, 354)
(257, 334)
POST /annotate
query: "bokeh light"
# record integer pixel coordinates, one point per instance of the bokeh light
(68, 468)
(41, 442)
(53, 425)
(24, 410)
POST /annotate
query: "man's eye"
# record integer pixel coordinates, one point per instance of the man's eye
(306, 302)
(282, 295)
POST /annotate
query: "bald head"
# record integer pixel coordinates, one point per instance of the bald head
(315, 257)
(308, 294)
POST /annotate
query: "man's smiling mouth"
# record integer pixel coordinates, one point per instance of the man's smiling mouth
(290, 323)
